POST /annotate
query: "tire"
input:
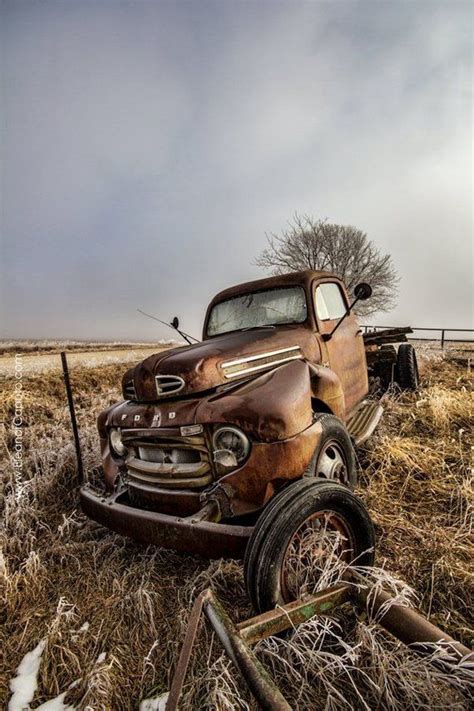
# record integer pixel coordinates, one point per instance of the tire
(302, 504)
(334, 458)
(389, 350)
(386, 365)
(407, 367)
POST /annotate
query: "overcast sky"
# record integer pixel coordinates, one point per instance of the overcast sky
(147, 147)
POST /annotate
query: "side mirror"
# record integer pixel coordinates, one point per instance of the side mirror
(363, 291)
(175, 321)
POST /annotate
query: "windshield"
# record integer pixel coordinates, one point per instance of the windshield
(262, 308)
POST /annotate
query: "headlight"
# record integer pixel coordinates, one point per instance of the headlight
(116, 442)
(230, 447)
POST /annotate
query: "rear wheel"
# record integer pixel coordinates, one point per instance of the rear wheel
(386, 364)
(305, 532)
(407, 367)
(334, 458)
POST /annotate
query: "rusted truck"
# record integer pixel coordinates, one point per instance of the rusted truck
(234, 443)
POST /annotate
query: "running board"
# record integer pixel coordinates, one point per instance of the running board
(363, 421)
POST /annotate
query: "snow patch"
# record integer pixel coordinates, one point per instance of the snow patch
(56, 704)
(25, 683)
(156, 704)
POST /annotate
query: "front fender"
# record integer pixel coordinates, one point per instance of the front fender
(327, 388)
(111, 470)
(269, 467)
(272, 407)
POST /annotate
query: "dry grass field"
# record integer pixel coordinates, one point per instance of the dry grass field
(45, 356)
(110, 614)
(51, 346)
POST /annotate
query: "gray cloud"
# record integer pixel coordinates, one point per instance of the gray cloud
(148, 147)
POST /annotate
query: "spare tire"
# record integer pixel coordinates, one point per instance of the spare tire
(310, 524)
(407, 367)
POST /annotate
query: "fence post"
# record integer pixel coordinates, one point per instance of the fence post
(442, 339)
(72, 413)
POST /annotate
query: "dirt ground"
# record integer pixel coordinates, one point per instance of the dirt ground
(108, 615)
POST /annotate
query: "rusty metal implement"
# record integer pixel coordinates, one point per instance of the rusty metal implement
(406, 624)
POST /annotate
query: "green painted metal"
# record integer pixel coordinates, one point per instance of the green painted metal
(292, 614)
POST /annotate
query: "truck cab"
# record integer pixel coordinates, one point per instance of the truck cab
(304, 307)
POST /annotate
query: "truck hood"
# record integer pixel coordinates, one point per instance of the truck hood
(217, 361)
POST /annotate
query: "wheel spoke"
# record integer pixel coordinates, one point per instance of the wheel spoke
(313, 553)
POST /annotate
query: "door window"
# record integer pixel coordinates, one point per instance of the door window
(330, 303)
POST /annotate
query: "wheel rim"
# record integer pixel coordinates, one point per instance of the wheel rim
(331, 463)
(313, 553)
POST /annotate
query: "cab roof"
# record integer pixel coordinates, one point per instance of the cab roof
(303, 278)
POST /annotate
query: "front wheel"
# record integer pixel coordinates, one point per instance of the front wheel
(304, 533)
(334, 458)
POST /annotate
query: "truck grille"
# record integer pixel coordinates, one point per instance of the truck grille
(174, 455)
(174, 462)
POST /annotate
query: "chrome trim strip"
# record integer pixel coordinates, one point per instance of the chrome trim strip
(230, 363)
(255, 368)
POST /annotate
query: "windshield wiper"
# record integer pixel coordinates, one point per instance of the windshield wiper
(249, 328)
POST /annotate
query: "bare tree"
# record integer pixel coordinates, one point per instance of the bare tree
(341, 249)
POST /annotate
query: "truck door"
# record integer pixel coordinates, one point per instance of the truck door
(344, 352)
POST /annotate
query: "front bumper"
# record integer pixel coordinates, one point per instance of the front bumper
(211, 540)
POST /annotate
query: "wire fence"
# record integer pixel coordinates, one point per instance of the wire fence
(441, 336)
